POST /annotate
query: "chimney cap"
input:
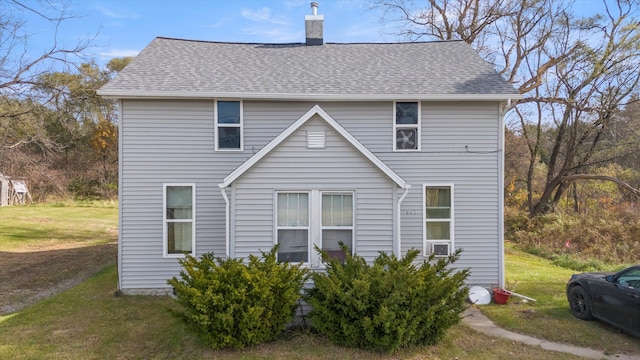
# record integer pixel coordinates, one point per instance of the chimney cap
(314, 8)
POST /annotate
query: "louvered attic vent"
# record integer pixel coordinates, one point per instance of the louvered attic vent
(316, 140)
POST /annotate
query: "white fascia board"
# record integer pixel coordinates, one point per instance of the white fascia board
(305, 97)
(233, 176)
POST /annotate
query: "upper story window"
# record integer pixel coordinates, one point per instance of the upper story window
(179, 219)
(406, 126)
(228, 125)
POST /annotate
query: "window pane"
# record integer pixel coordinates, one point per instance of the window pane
(294, 245)
(179, 237)
(438, 197)
(331, 242)
(406, 113)
(228, 112)
(438, 213)
(438, 230)
(179, 202)
(228, 137)
(293, 209)
(406, 139)
(438, 203)
(337, 210)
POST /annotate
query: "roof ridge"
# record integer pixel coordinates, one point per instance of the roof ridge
(302, 43)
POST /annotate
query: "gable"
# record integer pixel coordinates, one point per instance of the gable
(318, 113)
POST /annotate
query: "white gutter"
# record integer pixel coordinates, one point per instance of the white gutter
(135, 94)
(398, 247)
(227, 226)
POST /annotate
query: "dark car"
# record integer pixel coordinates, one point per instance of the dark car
(610, 297)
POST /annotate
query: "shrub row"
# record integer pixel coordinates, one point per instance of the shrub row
(389, 304)
(382, 306)
(233, 304)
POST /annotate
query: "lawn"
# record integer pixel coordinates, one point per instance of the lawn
(88, 322)
(549, 317)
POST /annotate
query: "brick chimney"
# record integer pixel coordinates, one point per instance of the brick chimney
(314, 26)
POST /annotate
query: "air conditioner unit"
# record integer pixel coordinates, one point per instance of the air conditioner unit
(440, 250)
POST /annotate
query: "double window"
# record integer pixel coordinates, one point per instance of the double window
(438, 219)
(179, 219)
(315, 218)
(228, 125)
(406, 126)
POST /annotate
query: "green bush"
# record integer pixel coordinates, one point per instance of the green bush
(235, 304)
(389, 304)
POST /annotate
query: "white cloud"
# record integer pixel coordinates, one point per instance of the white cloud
(263, 15)
(260, 15)
(113, 53)
(110, 12)
(275, 35)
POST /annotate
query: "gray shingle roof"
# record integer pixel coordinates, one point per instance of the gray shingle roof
(424, 70)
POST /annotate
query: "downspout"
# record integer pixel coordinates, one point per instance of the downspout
(398, 246)
(501, 141)
(120, 107)
(227, 211)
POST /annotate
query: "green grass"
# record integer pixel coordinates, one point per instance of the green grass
(58, 224)
(89, 322)
(549, 317)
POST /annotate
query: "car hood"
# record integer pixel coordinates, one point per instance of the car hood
(596, 275)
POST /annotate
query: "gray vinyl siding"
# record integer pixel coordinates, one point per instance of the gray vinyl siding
(172, 141)
(293, 167)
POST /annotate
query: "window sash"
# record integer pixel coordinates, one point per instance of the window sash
(229, 125)
(438, 215)
(178, 219)
(407, 126)
(337, 223)
(292, 226)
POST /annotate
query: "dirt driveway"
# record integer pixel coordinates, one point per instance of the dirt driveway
(29, 275)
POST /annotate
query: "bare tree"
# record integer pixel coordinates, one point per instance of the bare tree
(575, 73)
(31, 131)
(22, 66)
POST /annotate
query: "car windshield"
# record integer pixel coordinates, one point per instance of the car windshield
(630, 278)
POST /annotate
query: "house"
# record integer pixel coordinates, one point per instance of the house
(233, 147)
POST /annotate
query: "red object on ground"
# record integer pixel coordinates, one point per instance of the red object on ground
(500, 296)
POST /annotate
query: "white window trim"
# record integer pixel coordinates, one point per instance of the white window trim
(315, 222)
(240, 125)
(427, 247)
(165, 240)
(418, 127)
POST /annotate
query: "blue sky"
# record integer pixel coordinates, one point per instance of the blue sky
(124, 27)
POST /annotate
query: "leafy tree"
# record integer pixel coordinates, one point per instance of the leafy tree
(86, 126)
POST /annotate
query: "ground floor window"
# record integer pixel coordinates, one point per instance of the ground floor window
(313, 218)
(438, 219)
(179, 219)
